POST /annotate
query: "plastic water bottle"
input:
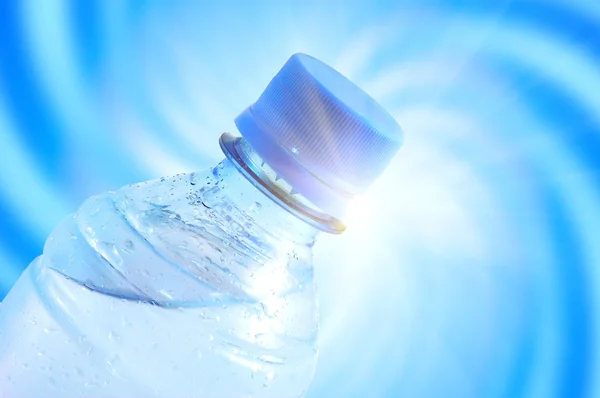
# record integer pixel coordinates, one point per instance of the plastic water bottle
(201, 284)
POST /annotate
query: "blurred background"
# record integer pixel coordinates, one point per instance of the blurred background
(471, 269)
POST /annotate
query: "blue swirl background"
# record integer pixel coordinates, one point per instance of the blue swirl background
(474, 261)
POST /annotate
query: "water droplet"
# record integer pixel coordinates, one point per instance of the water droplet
(125, 321)
(112, 361)
(113, 336)
(128, 246)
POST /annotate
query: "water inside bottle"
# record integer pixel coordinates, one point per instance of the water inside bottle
(169, 297)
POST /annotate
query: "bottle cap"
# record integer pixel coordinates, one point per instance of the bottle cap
(320, 132)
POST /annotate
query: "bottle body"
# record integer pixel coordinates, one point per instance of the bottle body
(191, 286)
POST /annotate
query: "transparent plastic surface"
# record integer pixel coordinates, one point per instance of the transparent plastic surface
(192, 286)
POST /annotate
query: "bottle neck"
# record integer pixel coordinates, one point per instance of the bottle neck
(236, 199)
(281, 194)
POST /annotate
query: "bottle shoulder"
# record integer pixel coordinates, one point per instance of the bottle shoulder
(204, 229)
(178, 241)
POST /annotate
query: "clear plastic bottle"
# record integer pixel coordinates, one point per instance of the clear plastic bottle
(198, 285)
